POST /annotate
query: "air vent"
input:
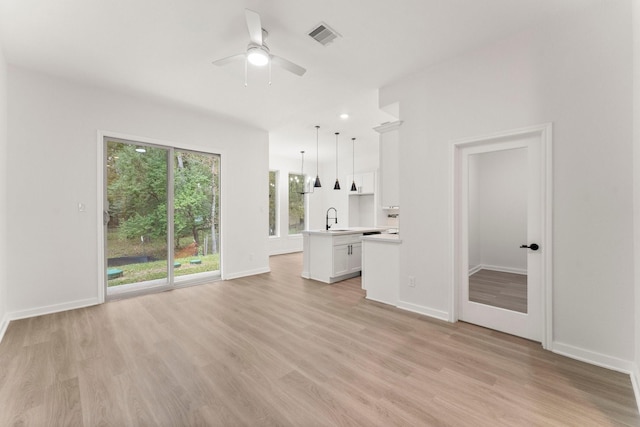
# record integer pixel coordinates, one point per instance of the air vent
(323, 34)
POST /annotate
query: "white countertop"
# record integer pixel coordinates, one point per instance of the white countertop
(382, 238)
(346, 230)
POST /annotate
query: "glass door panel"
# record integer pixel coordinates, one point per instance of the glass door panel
(136, 231)
(196, 215)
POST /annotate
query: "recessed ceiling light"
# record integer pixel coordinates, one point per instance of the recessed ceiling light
(344, 116)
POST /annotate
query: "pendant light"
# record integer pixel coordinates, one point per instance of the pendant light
(317, 183)
(337, 185)
(353, 147)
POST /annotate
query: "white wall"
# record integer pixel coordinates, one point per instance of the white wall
(3, 193)
(636, 188)
(53, 151)
(498, 224)
(574, 71)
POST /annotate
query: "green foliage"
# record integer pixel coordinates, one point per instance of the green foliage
(273, 200)
(296, 203)
(137, 192)
(193, 193)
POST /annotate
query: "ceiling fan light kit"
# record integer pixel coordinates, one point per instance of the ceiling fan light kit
(258, 56)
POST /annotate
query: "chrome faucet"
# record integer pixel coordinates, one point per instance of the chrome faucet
(335, 218)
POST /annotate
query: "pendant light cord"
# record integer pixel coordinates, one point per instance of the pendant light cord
(317, 183)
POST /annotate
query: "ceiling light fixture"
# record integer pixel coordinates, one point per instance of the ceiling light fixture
(337, 185)
(353, 148)
(258, 55)
(344, 116)
(317, 183)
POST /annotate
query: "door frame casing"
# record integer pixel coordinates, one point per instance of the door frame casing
(459, 234)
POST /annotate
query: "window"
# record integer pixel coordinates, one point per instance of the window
(273, 203)
(296, 203)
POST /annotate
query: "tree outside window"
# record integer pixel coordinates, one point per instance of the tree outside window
(296, 203)
(273, 203)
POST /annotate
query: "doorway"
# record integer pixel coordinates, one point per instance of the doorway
(502, 232)
(161, 217)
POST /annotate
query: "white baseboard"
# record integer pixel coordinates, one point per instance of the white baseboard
(4, 324)
(499, 268)
(475, 269)
(240, 274)
(420, 309)
(39, 311)
(635, 382)
(593, 358)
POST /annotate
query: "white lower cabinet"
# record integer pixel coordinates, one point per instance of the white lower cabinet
(340, 260)
(347, 259)
(332, 257)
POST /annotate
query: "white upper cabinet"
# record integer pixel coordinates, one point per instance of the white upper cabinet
(389, 164)
(365, 182)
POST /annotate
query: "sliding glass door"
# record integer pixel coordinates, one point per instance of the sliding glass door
(161, 216)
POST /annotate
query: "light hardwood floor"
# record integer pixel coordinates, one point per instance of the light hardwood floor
(276, 349)
(498, 289)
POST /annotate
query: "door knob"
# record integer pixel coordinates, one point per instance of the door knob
(533, 246)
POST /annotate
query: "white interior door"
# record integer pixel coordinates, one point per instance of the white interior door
(529, 322)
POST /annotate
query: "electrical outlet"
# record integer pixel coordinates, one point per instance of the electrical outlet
(412, 281)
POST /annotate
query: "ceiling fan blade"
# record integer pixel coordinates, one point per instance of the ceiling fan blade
(288, 65)
(229, 59)
(254, 26)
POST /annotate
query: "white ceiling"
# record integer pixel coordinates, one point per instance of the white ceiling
(164, 49)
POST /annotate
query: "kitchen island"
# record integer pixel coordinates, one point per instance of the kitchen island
(334, 255)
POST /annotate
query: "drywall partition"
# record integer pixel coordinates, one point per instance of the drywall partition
(53, 141)
(3, 193)
(636, 191)
(575, 71)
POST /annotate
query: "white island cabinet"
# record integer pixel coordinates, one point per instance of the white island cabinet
(332, 256)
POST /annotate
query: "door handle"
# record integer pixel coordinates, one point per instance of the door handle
(533, 246)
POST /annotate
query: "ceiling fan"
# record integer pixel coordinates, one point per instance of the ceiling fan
(258, 53)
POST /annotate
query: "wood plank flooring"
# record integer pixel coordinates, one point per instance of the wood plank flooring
(498, 289)
(276, 349)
